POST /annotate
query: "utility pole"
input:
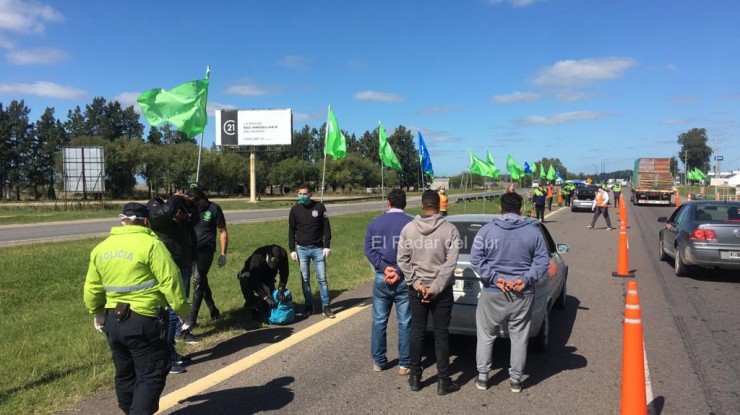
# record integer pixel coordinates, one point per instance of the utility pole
(717, 160)
(686, 166)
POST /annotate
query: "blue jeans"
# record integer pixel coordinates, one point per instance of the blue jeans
(173, 325)
(305, 255)
(384, 296)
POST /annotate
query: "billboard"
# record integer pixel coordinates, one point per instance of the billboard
(257, 127)
(83, 169)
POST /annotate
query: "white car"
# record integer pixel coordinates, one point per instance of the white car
(550, 290)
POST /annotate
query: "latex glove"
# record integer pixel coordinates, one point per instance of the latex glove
(327, 252)
(222, 260)
(281, 294)
(593, 208)
(294, 256)
(99, 322)
(186, 323)
(270, 302)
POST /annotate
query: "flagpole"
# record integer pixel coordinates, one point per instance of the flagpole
(382, 186)
(465, 182)
(202, 133)
(421, 169)
(326, 138)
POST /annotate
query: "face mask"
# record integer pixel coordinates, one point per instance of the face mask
(303, 199)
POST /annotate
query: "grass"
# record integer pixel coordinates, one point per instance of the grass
(52, 356)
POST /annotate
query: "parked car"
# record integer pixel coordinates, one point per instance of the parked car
(550, 290)
(583, 198)
(701, 233)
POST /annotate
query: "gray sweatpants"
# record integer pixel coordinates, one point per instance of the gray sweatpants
(498, 310)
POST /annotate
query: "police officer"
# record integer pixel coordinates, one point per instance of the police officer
(130, 280)
(258, 277)
(538, 198)
(617, 189)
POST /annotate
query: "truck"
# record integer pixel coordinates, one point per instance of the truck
(652, 183)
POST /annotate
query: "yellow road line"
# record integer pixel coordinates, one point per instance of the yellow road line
(209, 381)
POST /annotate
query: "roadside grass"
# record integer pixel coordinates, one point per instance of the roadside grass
(53, 357)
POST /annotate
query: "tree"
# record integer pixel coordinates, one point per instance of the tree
(694, 149)
(17, 132)
(674, 166)
(50, 138)
(402, 142)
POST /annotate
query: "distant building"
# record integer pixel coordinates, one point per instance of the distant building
(440, 181)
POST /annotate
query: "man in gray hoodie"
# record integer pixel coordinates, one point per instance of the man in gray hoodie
(427, 255)
(510, 256)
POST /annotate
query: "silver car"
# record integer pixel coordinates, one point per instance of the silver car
(701, 233)
(550, 290)
(583, 198)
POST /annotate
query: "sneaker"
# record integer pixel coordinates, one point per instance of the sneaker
(308, 310)
(403, 371)
(216, 316)
(377, 367)
(481, 381)
(190, 338)
(610, 229)
(175, 368)
(328, 313)
(589, 227)
(181, 360)
(516, 385)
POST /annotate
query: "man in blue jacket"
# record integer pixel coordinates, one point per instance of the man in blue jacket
(510, 256)
(389, 288)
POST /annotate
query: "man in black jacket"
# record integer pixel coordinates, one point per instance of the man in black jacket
(173, 221)
(257, 280)
(309, 238)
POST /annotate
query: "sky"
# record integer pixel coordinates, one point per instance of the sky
(596, 84)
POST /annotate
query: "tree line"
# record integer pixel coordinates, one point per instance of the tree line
(166, 160)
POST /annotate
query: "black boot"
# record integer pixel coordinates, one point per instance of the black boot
(446, 385)
(415, 381)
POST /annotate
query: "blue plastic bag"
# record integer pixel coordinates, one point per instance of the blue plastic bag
(284, 313)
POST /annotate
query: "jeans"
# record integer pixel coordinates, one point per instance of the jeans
(173, 325)
(305, 255)
(441, 309)
(384, 297)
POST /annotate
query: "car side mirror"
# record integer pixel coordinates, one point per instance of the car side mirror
(563, 248)
(662, 219)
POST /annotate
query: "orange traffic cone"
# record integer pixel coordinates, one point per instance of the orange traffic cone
(560, 197)
(622, 260)
(623, 213)
(677, 200)
(634, 396)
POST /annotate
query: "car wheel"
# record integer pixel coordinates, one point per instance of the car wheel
(540, 341)
(561, 302)
(678, 265)
(663, 255)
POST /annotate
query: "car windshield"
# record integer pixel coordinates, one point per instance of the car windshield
(467, 230)
(717, 213)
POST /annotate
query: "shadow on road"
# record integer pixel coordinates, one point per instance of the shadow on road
(559, 357)
(248, 400)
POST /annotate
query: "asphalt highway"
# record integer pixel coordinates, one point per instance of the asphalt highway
(316, 366)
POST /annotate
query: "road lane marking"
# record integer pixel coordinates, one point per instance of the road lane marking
(176, 397)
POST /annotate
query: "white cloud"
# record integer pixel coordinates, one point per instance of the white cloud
(42, 56)
(517, 96)
(27, 17)
(295, 61)
(128, 99)
(212, 107)
(246, 90)
(378, 96)
(584, 71)
(562, 118)
(572, 96)
(674, 122)
(515, 3)
(302, 116)
(43, 89)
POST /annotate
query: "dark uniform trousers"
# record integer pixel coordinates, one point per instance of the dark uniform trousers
(201, 289)
(141, 360)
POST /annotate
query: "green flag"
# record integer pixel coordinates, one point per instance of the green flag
(184, 106)
(542, 170)
(691, 175)
(336, 144)
(496, 171)
(479, 166)
(387, 156)
(515, 170)
(700, 174)
(550, 173)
